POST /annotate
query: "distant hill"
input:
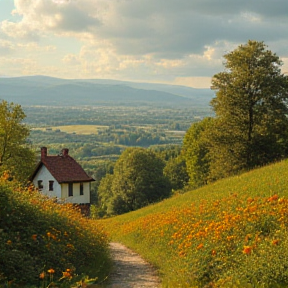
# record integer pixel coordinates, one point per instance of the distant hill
(42, 90)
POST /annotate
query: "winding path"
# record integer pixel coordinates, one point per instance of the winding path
(130, 270)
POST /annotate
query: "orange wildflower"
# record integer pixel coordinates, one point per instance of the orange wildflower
(213, 252)
(42, 275)
(67, 274)
(247, 249)
(273, 198)
(275, 242)
(9, 242)
(200, 246)
(34, 237)
(51, 271)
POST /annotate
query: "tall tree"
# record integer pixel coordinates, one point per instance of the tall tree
(137, 181)
(15, 156)
(251, 107)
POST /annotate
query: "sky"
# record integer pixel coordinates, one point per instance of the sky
(179, 42)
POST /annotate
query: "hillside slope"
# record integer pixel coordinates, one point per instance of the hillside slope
(220, 235)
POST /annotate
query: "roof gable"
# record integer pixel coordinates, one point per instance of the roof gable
(63, 168)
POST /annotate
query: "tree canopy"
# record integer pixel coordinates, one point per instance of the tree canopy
(195, 152)
(251, 111)
(137, 181)
(15, 156)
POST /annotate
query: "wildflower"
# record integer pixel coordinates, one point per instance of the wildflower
(275, 242)
(67, 274)
(51, 271)
(42, 275)
(200, 246)
(48, 235)
(34, 237)
(9, 242)
(229, 238)
(247, 249)
(273, 198)
(213, 252)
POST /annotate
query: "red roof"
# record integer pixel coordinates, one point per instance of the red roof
(63, 168)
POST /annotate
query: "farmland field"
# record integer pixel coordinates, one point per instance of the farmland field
(77, 129)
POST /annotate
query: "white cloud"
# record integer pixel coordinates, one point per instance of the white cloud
(139, 39)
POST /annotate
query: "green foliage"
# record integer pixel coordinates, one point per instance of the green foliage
(37, 235)
(137, 181)
(175, 170)
(195, 152)
(232, 233)
(251, 107)
(15, 156)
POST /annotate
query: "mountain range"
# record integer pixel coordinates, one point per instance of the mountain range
(49, 91)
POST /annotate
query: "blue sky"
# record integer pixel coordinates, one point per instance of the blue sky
(164, 41)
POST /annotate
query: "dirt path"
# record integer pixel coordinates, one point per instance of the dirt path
(130, 270)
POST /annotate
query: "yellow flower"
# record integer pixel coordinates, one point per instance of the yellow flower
(9, 242)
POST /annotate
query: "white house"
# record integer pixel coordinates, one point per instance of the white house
(63, 178)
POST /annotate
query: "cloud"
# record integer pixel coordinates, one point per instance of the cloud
(145, 39)
(6, 47)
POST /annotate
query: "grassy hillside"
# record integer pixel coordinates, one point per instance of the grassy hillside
(43, 242)
(232, 233)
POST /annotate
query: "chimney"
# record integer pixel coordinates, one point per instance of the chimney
(65, 152)
(43, 152)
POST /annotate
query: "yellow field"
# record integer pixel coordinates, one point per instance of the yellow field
(78, 129)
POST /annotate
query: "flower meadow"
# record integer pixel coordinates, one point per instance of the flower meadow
(43, 243)
(232, 233)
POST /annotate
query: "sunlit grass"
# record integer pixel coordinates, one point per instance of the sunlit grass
(232, 233)
(78, 129)
(43, 242)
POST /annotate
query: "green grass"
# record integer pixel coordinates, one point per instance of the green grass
(231, 233)
(42, 241)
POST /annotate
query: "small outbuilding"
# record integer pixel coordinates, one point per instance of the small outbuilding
(61, 177)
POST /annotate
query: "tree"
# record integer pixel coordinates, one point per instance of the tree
(175, 170)
(251, 108)
(195, 152)
(15, 156)
(138, 180)
(104, 193)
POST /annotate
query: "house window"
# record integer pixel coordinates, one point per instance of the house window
(40, 184)
(51, 183)
(70, 189)
(81, 189)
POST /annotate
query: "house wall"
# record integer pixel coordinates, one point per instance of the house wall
(76, 198)
(44, 175)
